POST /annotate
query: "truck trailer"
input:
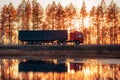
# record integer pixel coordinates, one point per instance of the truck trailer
(50, 36)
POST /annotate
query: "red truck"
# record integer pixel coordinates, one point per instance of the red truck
(50, 36)
(76, 37)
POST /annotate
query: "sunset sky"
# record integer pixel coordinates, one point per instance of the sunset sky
(77, 3)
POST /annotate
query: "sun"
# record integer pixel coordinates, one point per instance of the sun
(77, 23)
(86, 22)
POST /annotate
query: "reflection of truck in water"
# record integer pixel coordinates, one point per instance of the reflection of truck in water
(75, 66)
(92, 65)
(50, 36)
(41, 66)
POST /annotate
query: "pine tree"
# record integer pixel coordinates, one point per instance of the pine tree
(118, 32)
(113, 21)
(37, 16)
(99, 16)
(0, 30)
(47, 18)
(69, 13)
(59, 16)
(8, 18)
(83, 14)
(21, 15)
(11, 20)
(92, 25)
(51, 14)
(102, 22)
(28, 15)
(3, 21)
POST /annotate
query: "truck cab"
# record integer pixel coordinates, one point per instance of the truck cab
(76, 37)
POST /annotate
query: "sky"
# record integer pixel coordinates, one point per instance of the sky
(76, 3)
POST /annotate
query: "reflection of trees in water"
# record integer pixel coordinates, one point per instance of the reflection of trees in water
(91, 70)
(9, 69)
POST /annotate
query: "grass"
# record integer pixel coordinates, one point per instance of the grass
(62, 47)
(57, 51)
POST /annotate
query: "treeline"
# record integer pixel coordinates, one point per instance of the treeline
(104, 21)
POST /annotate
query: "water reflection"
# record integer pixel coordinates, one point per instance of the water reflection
(85, 69)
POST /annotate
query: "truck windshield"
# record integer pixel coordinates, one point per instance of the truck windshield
(79, 35)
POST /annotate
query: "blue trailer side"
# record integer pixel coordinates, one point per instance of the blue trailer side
(42, 35)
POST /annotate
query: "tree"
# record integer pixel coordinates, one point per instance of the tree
(28, 14)
(59, 16)
(113, 22)
(118, 35)
(8, 18)
(11, 19)
(69, 13)
(0, 30)
(51, 14)
(83, 14)
(92, 25)
(47, 18)
(21, 15)
(37, 16)
(3, 21)
(99, 16)
(103, 27)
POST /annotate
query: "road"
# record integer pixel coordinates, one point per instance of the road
(58, 52)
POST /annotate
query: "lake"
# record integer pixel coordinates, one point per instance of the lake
(60, 69)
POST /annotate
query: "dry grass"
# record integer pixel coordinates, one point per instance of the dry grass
(55, 51)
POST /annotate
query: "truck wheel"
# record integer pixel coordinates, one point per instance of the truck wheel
(64, 43)
(58, 42)
(29, 43)
(77, 42)
(39, 42)
(35, 42)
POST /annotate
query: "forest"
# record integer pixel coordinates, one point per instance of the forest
(100, 25)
